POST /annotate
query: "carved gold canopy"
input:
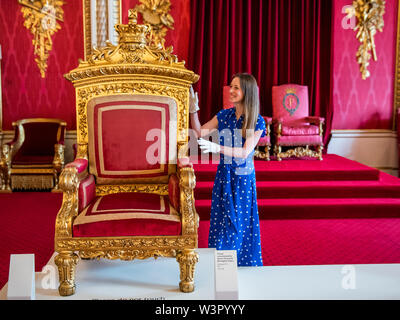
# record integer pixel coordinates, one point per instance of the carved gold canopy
(134, 66)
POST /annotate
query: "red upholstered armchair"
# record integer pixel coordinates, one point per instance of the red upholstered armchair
(129, 193)
(294, 130)
(35, 156)
(264, 144)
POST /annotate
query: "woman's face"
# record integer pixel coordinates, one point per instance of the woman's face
(235, 93)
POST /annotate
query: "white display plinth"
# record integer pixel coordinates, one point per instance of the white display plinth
(226, 275)
(321, 282)
(21, 278)
(147, 279)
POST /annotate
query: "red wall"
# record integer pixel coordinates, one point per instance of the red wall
(25, 93)
(357, 103)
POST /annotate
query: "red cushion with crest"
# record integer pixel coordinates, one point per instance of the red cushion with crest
(289, 102)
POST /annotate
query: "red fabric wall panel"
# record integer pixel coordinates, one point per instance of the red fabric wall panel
(357, 103)
(25, 93)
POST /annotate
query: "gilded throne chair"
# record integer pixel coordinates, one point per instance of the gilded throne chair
(263, 147)
(295, 131)
(35, 157)
(129, 192)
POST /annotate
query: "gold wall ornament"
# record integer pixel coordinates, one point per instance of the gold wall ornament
(156, 13)
(369, 14)
(41, 19)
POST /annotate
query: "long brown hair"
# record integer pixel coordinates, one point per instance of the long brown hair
(251, 101)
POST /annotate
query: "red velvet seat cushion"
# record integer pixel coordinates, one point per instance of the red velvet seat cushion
(313, 140)
(20, 159)
(128, 214)
(264, 141)
(300, 130)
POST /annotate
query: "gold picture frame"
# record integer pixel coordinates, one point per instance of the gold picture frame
(96, 31)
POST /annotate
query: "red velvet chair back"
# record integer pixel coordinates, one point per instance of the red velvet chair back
(38, 136)
(132, 138)
(290, 102)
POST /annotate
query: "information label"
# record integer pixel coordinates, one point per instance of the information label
(21, 277)
(226, 275)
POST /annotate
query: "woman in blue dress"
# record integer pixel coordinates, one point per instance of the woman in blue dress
(234, 221)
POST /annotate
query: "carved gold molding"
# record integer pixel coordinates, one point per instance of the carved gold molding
(396, 103)
(41, 19)
(369, 14)
(104, 189)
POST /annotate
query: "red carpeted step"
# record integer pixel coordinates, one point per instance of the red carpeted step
(384, 188)
(318, 208)
(325, 241)
(332, 168)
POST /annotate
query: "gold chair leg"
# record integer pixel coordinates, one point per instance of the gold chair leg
(187, 260)
(277, 151)
(66, 263)
(320, 148)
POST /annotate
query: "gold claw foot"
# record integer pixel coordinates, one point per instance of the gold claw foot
(187, 260)
(66, 263)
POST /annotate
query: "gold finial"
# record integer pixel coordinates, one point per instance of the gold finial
(132, 16)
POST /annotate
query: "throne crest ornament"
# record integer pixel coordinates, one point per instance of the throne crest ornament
(291, 101)
(129, 192)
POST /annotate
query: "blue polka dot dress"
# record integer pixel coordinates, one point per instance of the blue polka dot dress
(234, 221)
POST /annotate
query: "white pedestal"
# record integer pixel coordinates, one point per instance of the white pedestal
(21, 278)
(131, 280)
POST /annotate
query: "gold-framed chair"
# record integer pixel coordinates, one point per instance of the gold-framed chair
(129, 192)
(35, 157)
(294, 129)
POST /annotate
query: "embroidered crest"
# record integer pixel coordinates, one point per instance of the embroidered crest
(290, 101)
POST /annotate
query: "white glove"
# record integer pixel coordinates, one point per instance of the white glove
(208, 146)
(193, 101)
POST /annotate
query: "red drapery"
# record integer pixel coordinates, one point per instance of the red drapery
(278, 41)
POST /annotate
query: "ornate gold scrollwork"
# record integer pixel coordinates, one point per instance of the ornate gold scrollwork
(298, 152)
(68, 183)
(369, 15)
(187, 260)
(41, 18)
(104, 189)
(190, 219)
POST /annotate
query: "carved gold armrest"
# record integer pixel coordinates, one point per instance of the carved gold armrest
(187, 182)
(69, 185)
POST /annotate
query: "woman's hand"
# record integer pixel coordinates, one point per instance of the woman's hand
(193, 101)
(208, 146)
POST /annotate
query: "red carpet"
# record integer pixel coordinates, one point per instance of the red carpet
(27, 226)
(303, 222)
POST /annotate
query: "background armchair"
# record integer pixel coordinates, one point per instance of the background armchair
(35, 157)
(264, 144)
(294, 129)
